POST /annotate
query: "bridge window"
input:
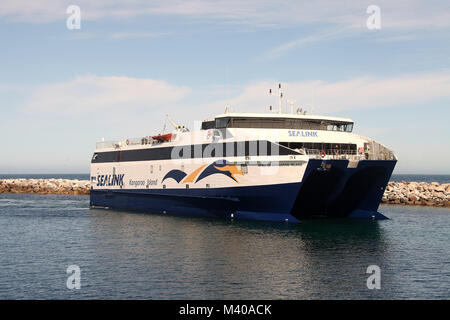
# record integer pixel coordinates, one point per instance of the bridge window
(348, 127)
(280, 123)
(223, 123)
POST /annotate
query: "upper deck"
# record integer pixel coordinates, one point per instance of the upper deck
(311, 135)
(278, 121)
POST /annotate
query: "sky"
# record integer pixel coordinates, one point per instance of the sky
(131, 62)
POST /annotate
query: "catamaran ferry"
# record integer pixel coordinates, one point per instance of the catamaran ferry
(263, 166)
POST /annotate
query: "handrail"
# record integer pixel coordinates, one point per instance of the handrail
(378, 151)
(127, 142)
(335, 154)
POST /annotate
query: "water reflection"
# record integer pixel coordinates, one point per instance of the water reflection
(126, 255)
(212, 258)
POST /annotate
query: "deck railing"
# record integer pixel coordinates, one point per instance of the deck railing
(372, 151)
(127, 142)
(376, 151)
(332, 154)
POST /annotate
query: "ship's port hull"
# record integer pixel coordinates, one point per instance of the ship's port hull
(329, 188)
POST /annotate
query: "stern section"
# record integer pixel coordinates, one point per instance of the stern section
(341, 188)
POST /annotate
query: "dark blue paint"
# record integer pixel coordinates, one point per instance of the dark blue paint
(176, 175)
(268, 202)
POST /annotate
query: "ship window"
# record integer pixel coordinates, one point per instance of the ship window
(343, 147)
(222, 123)
(218, 150)
(346, 127)
(206, 125)
(350, 127)
(280, 123)
(296, 145)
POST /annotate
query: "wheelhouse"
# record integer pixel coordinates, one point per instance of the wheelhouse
(302, 122)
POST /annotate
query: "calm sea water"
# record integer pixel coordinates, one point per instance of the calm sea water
(124, 255)
(441, 178)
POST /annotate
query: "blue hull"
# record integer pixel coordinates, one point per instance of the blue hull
(329, 189)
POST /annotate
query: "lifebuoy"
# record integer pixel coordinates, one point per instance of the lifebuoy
(128, 142)
(323, 153)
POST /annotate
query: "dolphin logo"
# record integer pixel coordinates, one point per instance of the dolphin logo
(176, 175)
(222, 167)
(232, 169)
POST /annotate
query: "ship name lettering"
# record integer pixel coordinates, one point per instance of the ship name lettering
(302, 133)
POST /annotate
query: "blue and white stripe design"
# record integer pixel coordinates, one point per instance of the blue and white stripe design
(329, 188)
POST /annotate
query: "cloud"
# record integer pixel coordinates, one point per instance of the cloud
(404, 37)
(135, 35)
(400, 20)
(112, 36)
(399, 14)
(356, 93)
(112, 95)
(314, 38)
(73, 114)
(89, 94)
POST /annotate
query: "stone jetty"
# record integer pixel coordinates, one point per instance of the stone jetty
(45, 186)
(407, 193)
(417, 193)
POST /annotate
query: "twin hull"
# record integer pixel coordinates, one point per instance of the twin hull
(282, 191)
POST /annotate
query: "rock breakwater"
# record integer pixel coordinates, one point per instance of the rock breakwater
(408, 193)
(45, 186)
(417, 193)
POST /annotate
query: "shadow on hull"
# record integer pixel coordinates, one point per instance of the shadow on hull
(333, 190)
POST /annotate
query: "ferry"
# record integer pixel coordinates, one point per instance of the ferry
(272, 166)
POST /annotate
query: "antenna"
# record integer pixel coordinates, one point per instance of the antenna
(280, 95)
(270, 93)
(292, 102)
